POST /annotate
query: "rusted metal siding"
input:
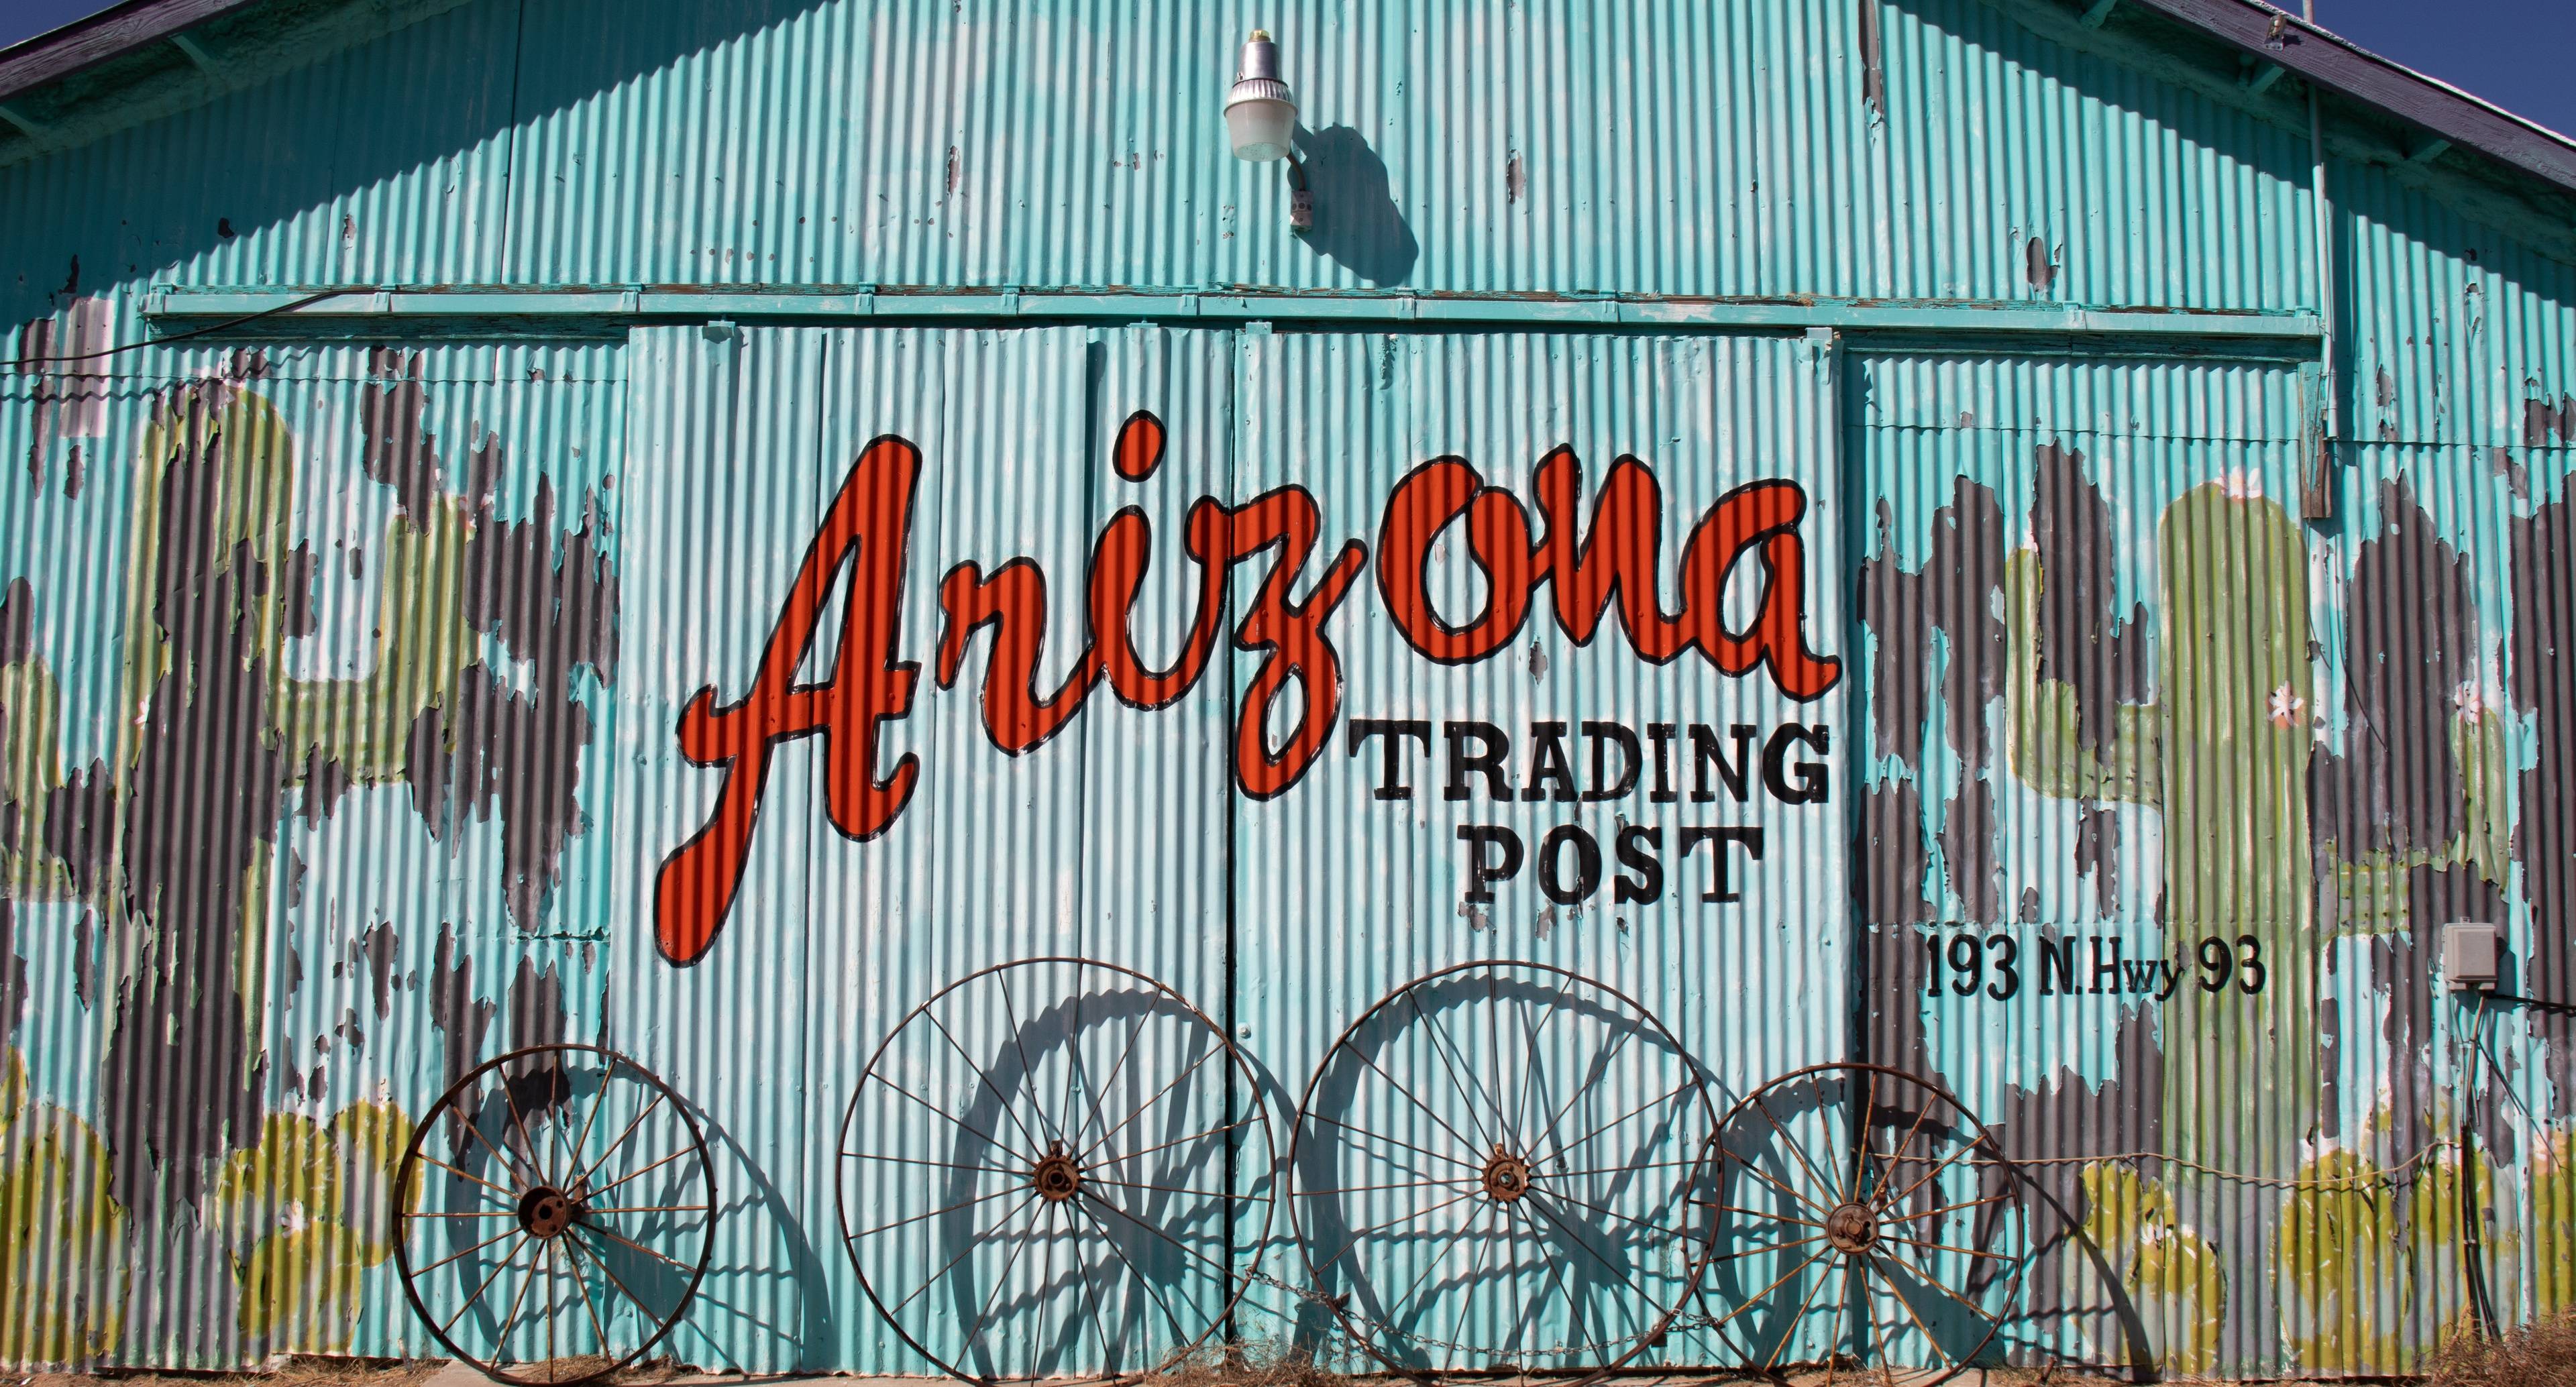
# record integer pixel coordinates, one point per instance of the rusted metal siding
(2166, 731)
(333, 624)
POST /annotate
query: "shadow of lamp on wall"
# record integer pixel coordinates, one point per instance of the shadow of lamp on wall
(1360, 228)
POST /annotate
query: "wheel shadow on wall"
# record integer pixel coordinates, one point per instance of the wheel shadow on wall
(1864, 1219)
(1043, 1173)
(1495, 1169)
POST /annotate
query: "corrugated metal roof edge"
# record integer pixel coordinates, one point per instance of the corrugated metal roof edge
(2264, 31)
(146, 59)
(111, 33)
(2275, 35)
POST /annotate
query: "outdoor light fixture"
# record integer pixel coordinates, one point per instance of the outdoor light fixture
(1261, 121)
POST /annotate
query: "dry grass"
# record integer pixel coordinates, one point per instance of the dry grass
(302, 1370)
(1273, 1365)
(1259, 1363)
(2533, 1355)
(299, 1370)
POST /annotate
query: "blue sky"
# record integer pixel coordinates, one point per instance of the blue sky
(2512, 52)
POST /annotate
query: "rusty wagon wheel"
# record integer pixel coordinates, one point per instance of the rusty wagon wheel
(554, 1214)
(1867, 1222)
(1496, 1169)
(1055, 1168)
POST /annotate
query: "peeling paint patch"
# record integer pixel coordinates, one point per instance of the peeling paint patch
(2545, 421)
(1892, 856)
(1968, 852)
(325, 781)
(2543, 638)
(2083, 643)
(2501, 462)
(454, 1010)
(2037, 266)
(17, 622)
(297, 595)
(80, 825)
(1894, 978)
(518, 754)
(85, 960)
(71, 392)
(1873, 67)
(537, 1014)
(13, 974)
(396, 447)
(2097, 854)
(2065, 1118)
(550, 601)
(2411, 642)
(1515, 178)
(1954, 593)
(193, 846)
(379, 945)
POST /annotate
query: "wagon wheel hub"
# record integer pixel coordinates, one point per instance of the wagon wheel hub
(1507, 1177)
(1851, 1228)
(1056, 1177)
(545, 1211)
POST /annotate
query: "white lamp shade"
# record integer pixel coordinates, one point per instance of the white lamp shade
(1260, 128)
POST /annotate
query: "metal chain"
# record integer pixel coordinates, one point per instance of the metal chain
(2396, 1175)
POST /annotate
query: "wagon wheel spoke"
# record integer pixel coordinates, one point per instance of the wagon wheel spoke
(1449, 1242)
(498, 1300)
(1006, 1103)
(1148, 1104)
(1136, 1195)
(1887, 1252)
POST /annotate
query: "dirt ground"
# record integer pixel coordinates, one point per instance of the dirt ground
(2541, 1355)
(351, 1372)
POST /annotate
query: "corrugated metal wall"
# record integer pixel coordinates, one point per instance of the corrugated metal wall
(339, 684)
(332, 627)
(1460, 149)
(2162, 826)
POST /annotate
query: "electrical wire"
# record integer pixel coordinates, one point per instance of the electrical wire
(2472, 1250)
(305, 302)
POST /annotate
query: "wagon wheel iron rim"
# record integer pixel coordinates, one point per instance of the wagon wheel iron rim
(576, 1224)
(1099, 1159)
(1865, 1212)
(1524, 1133)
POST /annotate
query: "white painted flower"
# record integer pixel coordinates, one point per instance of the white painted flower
(2241, 484)
(2471, 702)
(2287, 706)
(291, 1216)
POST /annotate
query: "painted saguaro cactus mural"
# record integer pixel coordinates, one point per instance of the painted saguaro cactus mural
(2221, 752)
(2319, 773)
(173, 849)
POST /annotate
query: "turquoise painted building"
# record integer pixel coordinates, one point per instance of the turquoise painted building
(2022, 542)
